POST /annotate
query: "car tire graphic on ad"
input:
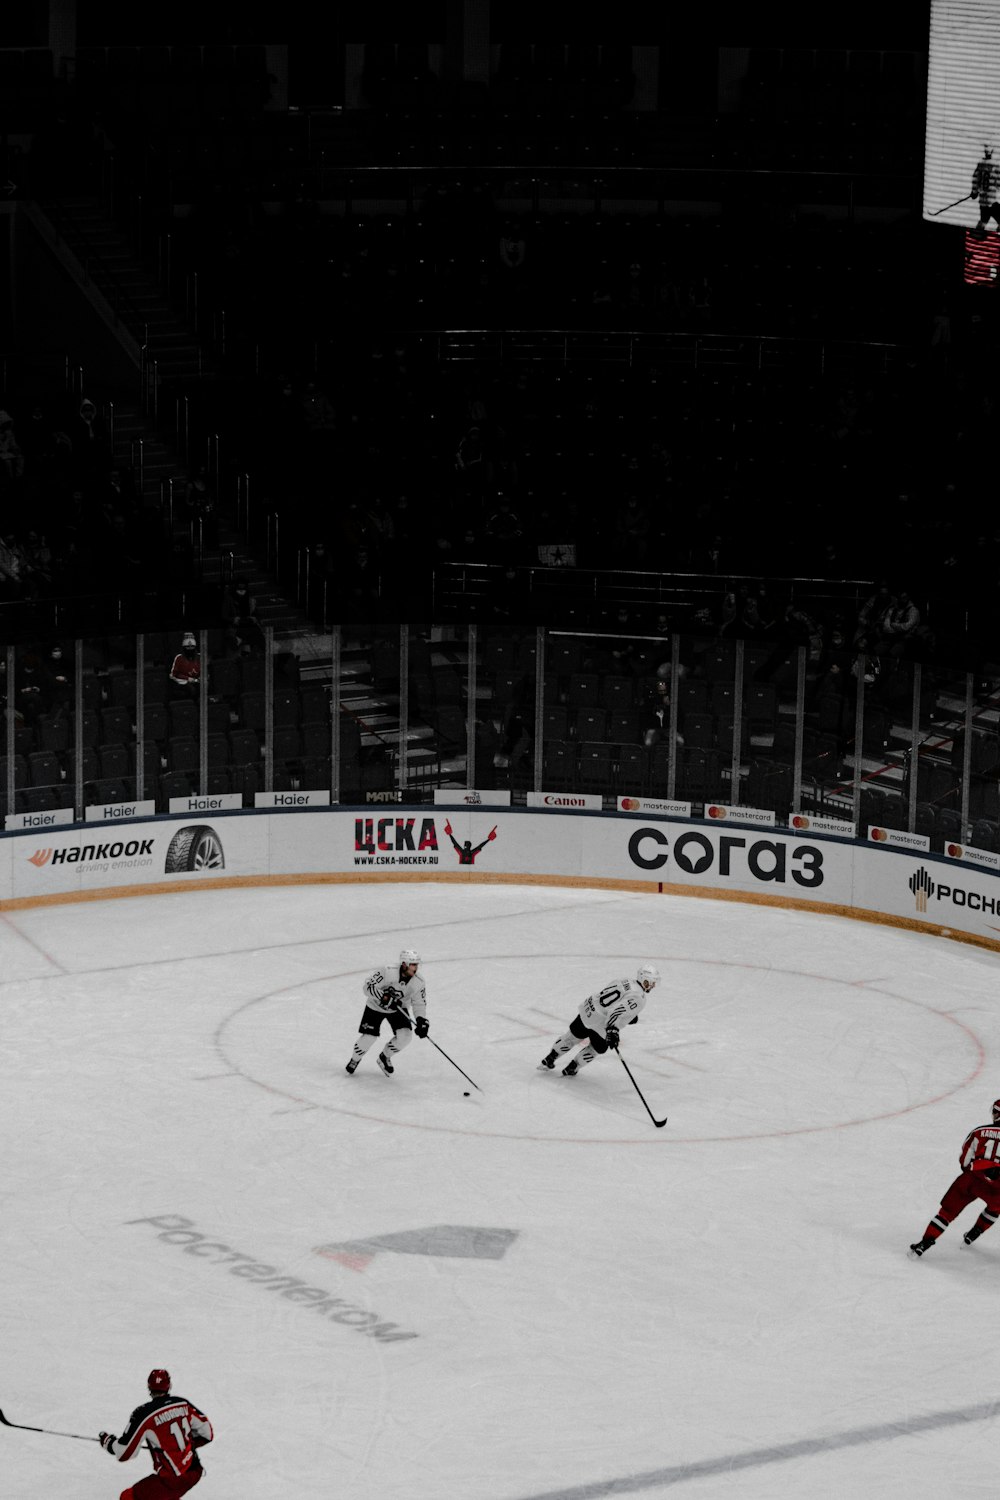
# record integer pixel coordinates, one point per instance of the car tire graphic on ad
(196, 847)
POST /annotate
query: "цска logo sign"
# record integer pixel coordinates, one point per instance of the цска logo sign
(695, 854)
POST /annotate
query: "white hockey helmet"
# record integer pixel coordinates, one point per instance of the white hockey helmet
(648, 975)
(409, 956)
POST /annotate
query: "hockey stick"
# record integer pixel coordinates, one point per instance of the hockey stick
(453, 1062)
(48, 1430)
(935, 211)
(658, 1123)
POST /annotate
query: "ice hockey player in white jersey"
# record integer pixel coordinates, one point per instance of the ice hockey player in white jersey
(599, 1020)
(397, 994)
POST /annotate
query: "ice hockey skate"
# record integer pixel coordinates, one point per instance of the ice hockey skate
(570, 1070)
(971, 1236)
(385, 1064)
(918, 1249)
(352, 1066)
(547, 1063)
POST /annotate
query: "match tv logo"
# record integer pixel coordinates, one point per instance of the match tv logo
(922, 886)
(40, 857)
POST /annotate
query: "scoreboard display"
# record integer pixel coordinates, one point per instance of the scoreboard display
(962, 143)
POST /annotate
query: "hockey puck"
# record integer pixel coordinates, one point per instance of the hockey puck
(467, 1095)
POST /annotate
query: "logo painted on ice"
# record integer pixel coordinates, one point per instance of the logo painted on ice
(443, 1241)
(40, 857)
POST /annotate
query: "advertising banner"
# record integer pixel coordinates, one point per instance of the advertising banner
(655, 805)
(897, 838)
(456, 796)
(218, 802)
(292, 799)
(721, 812)
(55, 817)
(108, 812)
(158, 852)
(956, 894)
(810, 823)
(563, 801)
(970, 855)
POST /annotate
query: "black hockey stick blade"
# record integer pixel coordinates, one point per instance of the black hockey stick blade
(658, 1123)
(23, 1427)
(935, 211)
(453, 1063)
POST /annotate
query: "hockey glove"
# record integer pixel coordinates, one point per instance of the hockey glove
(992, 1173)
(421, 1026)
(391, 996)
(612, 1037)
(633, 1020)
(106, 1439)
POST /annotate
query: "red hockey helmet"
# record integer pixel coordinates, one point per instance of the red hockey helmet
(158, 1382)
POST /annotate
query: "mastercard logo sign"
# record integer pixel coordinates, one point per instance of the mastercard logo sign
(799, 822)
(630, 804)
(879, 835)
(716, 812)
(955, 851)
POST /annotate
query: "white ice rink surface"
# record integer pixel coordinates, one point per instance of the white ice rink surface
(723, 1307)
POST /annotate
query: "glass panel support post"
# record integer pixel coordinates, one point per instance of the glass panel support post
(800, 728)
(402, 761)
(539, 705)
(269, 707)
(675, 667)
(335, 712)
(859, 741)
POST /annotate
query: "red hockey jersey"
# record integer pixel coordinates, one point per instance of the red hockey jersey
(981, 1150)
(171, 1428)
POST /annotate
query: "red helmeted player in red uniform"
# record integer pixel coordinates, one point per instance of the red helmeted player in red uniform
(979, 1178)
(172, 1428)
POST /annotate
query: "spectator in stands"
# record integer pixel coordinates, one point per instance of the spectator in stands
(513, 253)
(504, 530)
(656, 713)
(32, 697)
(199, 502)
(11, 457)
(59, 684)
(632, 528)
(90, 443)
(796, 629)
(185, 670)
(899, 626)
(872, 613)
(239, 617)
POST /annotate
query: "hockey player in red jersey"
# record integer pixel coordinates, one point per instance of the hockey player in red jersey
(979, 1178)
(172, 1428)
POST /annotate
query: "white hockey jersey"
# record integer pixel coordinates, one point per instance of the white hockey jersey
(617, 1004)
(388, 989)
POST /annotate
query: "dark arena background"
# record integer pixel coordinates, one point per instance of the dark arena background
(509, 482)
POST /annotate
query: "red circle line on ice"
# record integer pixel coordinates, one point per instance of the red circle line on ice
(335, 1107)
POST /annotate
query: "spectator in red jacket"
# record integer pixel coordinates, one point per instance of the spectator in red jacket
(185, 672)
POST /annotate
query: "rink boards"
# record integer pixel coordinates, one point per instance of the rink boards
(947, 896)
